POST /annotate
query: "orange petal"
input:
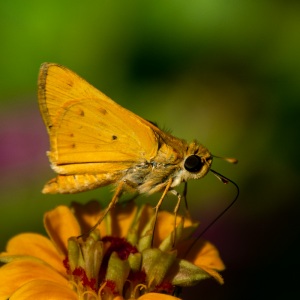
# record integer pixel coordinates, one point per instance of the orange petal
(18, 272)
(165, 225)
(114, 224)
(214, 274)
(157, 296)
(204, 255)
(122, 217)
(88, 215)
(43, 289)
(36, 245)
(60, 224)
(208, 256)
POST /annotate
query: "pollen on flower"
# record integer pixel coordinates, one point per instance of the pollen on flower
(120, 246)
(67, 265)
(91, 283)
(111, 285)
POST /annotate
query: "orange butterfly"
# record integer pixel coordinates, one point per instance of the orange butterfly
(96, 142)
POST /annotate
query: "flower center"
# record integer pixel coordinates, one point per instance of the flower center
(101, 266)
(120, 246)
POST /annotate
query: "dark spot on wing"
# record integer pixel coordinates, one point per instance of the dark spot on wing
(73, 146)
(70, 82)
(114, 137)
(103, 111)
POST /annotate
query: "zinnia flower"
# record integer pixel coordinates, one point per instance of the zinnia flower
(121, 259)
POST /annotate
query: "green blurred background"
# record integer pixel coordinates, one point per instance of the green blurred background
(224, 72)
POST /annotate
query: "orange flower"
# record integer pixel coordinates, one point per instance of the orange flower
(120, 260)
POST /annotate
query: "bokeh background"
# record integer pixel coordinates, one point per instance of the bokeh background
(224, 72)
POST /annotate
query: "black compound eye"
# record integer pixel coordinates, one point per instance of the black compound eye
(193, 164)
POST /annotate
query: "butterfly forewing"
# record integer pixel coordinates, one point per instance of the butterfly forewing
(88, 131)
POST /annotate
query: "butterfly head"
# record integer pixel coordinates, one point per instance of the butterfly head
(196, 163)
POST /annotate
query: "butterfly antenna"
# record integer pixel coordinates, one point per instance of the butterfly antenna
(224, 180)
(231, 160)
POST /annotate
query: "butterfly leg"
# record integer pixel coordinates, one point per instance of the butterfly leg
(175, 216)
(113, 202)
(179, 197)
(159, 203)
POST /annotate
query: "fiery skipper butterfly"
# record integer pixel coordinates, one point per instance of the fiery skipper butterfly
(96, 142)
